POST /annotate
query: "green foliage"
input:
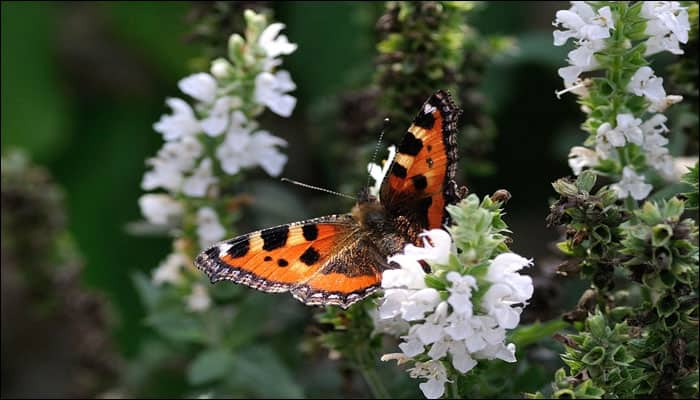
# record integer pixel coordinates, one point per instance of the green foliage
(691, 178)
(630, 346)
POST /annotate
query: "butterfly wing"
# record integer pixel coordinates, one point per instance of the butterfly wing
(420, 181)
(321, 261)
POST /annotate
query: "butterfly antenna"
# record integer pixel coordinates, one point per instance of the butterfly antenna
(385, 126)
(318, 188)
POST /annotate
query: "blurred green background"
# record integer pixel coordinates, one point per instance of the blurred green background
(82, 84)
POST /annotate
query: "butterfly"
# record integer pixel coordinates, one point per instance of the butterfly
(339, 259)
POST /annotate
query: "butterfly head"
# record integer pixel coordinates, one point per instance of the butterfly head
(369, 212)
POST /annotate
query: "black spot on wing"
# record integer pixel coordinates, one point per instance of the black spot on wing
(422, 207)
(310, 256)
(274, 238)
(399, 170)
(212, 252)
(282, 262)
(425, 121)
(268, 258)
(240, 247)
(419, 182)
(410, 145)
(310, 231)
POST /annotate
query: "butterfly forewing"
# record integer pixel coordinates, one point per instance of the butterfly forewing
(420, 181)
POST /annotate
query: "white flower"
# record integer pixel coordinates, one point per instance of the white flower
(197, 184)
(275, 44)
(461, 292)
(662, 104)
(436, 374)
(632, 184)
(378, 173)
(215, 124)
(582, 60)
(418, 303)
(271, 91)
(200, 86)
(503, 269)
(500, 351)
(199, 299)
(645, 83)
(181, 122)
(508, 290)
(172, 160)
(241, 150)
(607, 138)
(628, 125)
(209, 229)
(170, 269)
(580, 157)
(160, 209)
(668, 25)
(393, 325)
(583, 23)
(409, 276)
(437, 244)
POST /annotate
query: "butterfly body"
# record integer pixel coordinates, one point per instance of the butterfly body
(339, 259)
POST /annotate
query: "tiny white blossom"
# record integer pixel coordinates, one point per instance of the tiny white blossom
(271, 91)
(209, 229)
(461, 292)
(394, 326)
(668, 26)
(582, 59)
(197, 184)
(581, 157)
(662, 104)
(217, 120)
(608, 137)
(199, 299)
(645, 83)
(172, 160)
(240, 150)
(200, 86)
(181, 122)
(583, 23)
(436, 374)
(169, 271)
(628, 125)
(632, 184)
(275, 44)
(378, 173)
(160, 209)
(437, 245)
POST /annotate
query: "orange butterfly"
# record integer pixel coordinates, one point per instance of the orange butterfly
(339, 259)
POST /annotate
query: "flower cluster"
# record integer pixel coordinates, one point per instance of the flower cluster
(213, 138)
(457, 313)
(624, 107)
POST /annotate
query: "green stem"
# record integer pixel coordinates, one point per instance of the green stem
(454, 389)
(369, 374)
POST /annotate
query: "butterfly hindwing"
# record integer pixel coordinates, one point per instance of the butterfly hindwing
(420, 181)
(318, 260)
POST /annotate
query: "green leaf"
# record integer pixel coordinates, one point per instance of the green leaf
(210, 365)
(176, 325)
(565, 248)
(586, 181)
(262, 374)
(595, 356)
(525, 335)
